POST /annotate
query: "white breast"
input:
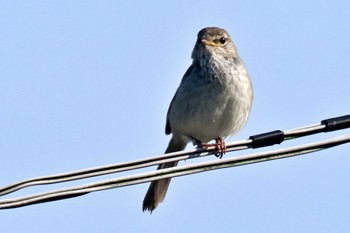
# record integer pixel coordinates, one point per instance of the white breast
(215, 106)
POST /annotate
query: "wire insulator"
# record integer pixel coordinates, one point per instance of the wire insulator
(267, 139)
(336, 123)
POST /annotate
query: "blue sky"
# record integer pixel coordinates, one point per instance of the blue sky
(88, 83)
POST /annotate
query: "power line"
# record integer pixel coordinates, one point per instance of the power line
(260, 140)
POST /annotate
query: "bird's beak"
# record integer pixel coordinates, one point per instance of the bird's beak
(210, 43)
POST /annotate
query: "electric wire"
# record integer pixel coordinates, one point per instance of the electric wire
(151, 161)
(260, 140)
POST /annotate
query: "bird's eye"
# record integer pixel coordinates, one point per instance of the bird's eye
(222, 40)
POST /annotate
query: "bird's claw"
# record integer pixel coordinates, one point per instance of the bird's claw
(219, 146)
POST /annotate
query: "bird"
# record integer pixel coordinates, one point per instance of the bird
(212, 102)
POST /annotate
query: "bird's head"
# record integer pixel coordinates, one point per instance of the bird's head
(213, 40)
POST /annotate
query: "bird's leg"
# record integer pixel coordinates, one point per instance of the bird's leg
(219, 146)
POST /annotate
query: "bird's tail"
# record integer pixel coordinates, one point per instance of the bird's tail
(157, 189)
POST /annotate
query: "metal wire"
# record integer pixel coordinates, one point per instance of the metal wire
(169, 172)
(151, 161)
(119, 167)
(173, 172)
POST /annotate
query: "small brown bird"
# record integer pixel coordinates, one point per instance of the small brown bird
(212, 102)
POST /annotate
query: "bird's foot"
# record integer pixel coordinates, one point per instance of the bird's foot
(219, 146)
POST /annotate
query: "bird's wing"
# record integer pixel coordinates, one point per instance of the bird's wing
(167, 125)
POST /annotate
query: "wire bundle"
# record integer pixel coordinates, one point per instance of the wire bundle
(256, 141)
